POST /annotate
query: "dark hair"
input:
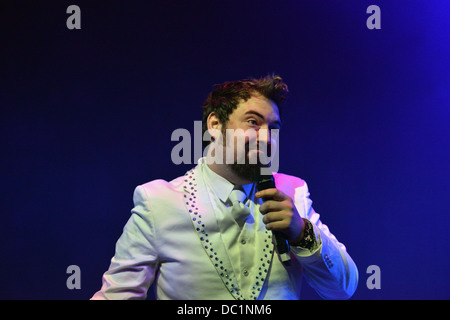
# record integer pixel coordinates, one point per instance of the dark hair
(226, 96)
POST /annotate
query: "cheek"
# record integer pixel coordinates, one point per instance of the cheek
(274, 143)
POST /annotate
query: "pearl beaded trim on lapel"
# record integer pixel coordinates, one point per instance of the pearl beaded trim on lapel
(227, 276)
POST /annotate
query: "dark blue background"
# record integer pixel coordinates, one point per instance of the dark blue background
(86, 115)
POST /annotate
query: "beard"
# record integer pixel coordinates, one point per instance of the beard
(251, 170)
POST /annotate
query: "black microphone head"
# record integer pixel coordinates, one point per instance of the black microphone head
(265, 182)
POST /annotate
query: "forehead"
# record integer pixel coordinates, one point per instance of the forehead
(263, 106)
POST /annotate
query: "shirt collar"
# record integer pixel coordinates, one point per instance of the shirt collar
(221, 186)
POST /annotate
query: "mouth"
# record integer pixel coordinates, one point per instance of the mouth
(260, 156)
(260, 149)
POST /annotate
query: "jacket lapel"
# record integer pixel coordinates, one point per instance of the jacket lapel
(199, 207)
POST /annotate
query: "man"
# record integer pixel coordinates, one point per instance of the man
(208, 234)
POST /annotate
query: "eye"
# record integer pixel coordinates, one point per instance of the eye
(253, 122)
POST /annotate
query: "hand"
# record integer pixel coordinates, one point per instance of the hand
(280, 214)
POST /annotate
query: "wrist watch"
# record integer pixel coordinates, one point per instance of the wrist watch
(309, 239)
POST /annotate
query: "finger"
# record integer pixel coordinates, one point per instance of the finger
(281, 225)
(271, 193)
(271, 217)
(270, 206)
(277, 216)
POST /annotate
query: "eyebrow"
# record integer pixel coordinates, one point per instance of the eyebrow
(277, 122)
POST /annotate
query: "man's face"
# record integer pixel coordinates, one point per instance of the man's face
(251, 137)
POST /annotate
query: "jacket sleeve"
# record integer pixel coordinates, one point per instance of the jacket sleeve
(132, 269)
(328, 268)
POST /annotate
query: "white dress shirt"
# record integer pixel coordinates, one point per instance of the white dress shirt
(241, 241)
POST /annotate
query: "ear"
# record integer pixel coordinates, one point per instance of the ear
(214, 125)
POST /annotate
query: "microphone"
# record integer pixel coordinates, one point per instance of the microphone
(281, 243)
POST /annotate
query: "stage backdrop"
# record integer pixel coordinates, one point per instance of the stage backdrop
(88, 107)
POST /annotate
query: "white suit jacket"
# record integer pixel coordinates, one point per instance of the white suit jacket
(173, 238)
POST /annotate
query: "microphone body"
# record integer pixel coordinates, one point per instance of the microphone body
(281, 242)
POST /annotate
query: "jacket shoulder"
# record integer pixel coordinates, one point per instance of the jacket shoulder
(282, 179)
(158, 189)
(290, 185)
(160, 184)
